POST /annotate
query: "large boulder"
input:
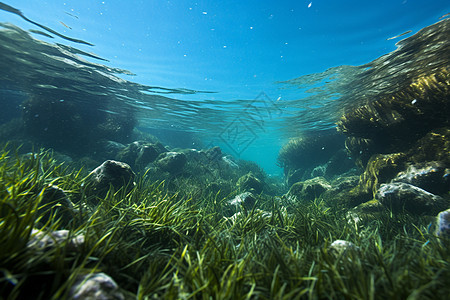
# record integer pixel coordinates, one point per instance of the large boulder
(381, 168)
(111, 174)
(139, 153)
(431, 176)
(308, 190)
(55, 204)
(425, 164)
(249, 183)
(400, 196)
(172, 162)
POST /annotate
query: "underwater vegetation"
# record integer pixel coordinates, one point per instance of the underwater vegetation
(393, 115)
(119, 215)
(146, 242)
(310, 156)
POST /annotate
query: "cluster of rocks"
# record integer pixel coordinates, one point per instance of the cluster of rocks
(402, 141)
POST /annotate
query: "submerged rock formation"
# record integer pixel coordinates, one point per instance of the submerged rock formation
(400, 196)
(110, 174)
(402, 137)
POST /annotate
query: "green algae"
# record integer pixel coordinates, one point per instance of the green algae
(160, 244)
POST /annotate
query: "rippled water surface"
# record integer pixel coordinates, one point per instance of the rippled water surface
(246, 77)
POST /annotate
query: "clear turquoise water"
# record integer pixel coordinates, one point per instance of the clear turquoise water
(220, 69)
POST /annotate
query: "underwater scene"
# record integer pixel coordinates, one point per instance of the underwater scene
(224, 149)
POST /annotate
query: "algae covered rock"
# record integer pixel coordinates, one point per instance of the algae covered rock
(148, 153)
(394, 122)
(380, 168)
(308, 190)
(307, 152)
(246, 200)
(55, 204)
(426, 164)
(111, 174)
(360, 149)
(139, 153)
(214, 154)
(400, 196)
(434, 146)
(369, 210)
(109, 149)
(340, 163)
(172, 162)
(404, 131)
(250, 183)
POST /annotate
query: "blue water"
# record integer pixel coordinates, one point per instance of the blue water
(239, 50)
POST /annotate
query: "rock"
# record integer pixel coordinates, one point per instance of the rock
(367, 210)
(396, 120)
(214, 154)
(109, 149)
(244, 200)
(294, 176)
(129, 154)
(249, 183)
(344, 183)
(147, 154)
(62, 158)
(220, 188)
(45, 241)
(308, 190)
(139, 153)
(431, 176)
(111, 173)
(55, 204)
(96, 286)
(443, 224)
(172, 162)
(197, 156)
(308, 152)
(434, 146)
(398, 196)
(258, 213)
(381, 168)
(51, 120)
(342, 247)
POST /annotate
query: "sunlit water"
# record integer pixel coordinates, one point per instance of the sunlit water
(182, 81)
